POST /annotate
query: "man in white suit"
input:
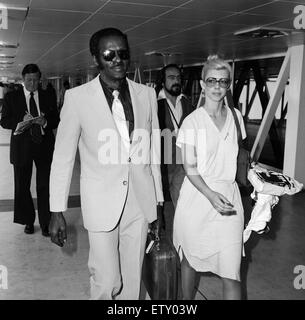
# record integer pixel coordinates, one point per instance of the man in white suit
(119, 144)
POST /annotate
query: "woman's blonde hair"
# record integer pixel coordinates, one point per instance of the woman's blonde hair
(215, 63)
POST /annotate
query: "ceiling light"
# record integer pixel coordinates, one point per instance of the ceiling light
(262, 32)
(8, 45)
(5, 6)
(162, 54)
(6, 56)
(53, 77)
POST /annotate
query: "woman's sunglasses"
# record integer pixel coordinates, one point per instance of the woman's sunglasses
(109, 55)
(223, 82)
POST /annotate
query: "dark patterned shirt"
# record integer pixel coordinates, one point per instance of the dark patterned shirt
(125, 99)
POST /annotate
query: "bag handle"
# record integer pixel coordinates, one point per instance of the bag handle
(157, 227)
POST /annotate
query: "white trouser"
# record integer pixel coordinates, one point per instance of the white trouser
(116, 257)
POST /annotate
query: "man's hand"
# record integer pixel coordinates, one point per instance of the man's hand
(41, 120)
(27, 116)
(57, 228)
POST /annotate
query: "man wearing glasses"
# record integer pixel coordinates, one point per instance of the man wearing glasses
(109, 118)
(173, 107)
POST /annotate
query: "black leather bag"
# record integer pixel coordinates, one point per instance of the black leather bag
(160, 266)
(243, 157)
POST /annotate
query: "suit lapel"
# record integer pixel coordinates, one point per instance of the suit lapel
(138, 109)
(167, 116)
(41, 101)
(100, 104)
(184, 111)
(21, 103)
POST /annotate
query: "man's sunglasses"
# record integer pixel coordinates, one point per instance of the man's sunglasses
(223, 82)
(109, 55)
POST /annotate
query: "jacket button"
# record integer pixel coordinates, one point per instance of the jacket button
(125, 183)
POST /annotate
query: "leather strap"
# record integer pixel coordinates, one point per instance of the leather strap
(239, 136)
(170, 110)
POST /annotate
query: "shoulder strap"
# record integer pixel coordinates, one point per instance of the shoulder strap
(239, 136)
(170, 110)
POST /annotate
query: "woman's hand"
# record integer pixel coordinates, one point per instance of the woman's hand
(221, 203)
(218, 201)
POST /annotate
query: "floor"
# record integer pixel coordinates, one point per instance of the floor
(39, 270)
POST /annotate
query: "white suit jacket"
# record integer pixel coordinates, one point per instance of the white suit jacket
(87, 123)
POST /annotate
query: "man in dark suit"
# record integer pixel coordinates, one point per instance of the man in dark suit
(173, 107)
(34, 144)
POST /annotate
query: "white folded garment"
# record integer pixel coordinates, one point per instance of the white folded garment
(273, 183)
(261, 213)
(268, 186)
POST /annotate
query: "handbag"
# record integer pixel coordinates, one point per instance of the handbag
(243, 157)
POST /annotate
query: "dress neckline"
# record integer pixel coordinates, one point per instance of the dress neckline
(211, 120)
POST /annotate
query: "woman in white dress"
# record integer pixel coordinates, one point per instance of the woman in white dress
(209, 222)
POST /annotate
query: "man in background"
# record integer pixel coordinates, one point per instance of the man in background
(66, 86)
(173, 107)
(35, 144)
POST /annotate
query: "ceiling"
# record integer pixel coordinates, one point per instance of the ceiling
(55, 33)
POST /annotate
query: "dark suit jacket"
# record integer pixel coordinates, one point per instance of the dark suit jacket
(165, 122)
(22, 148)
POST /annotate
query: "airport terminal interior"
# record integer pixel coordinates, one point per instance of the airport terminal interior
(264, 41)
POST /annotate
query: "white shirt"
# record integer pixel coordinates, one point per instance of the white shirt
(177, 109)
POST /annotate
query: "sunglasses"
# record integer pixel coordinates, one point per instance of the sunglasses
(109, 55)
(223, 82)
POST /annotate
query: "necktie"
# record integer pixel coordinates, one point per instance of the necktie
(120, 120)
(35, 129)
